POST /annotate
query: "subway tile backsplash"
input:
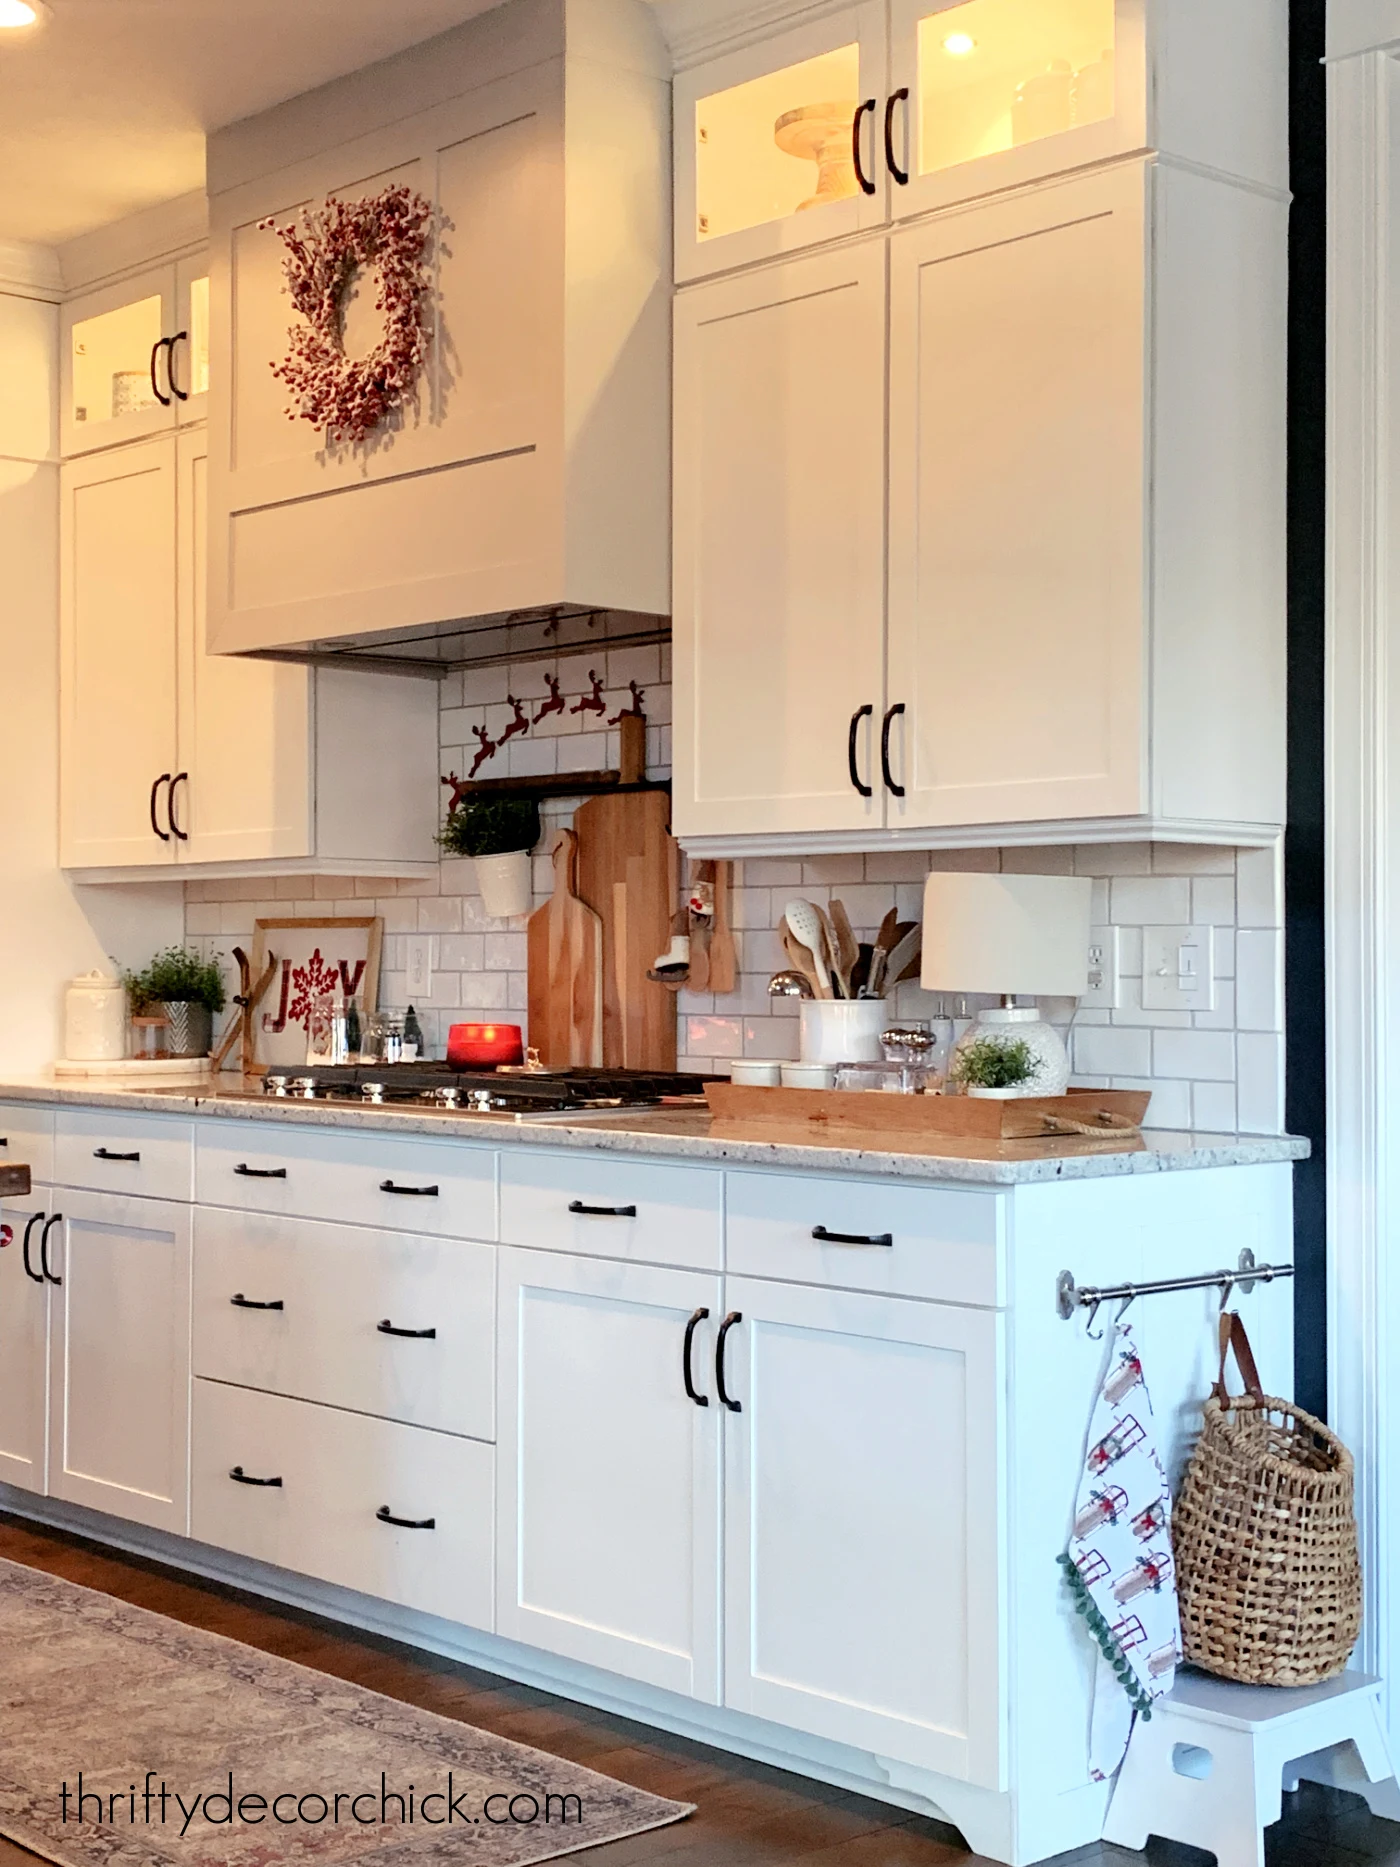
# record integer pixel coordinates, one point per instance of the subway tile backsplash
(1212, 1070)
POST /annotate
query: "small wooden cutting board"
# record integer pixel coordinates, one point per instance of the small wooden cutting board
(566, 970)
(14, 1182)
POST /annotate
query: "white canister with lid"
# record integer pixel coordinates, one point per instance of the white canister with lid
(94, 1019)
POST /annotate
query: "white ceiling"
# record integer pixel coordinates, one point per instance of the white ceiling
(105, 111)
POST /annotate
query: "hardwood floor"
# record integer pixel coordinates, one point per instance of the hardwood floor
(748, 1815)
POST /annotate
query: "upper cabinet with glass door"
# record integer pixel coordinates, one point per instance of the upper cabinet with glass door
(136, 356)
(777, 145)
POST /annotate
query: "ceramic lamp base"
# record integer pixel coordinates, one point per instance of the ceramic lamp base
(1023, 1023)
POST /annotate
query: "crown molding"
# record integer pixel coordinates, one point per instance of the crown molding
(30, 271)
(698, 30)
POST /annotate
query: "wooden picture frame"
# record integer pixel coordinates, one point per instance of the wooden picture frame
(334, 952)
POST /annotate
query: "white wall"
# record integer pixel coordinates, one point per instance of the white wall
(48, 930)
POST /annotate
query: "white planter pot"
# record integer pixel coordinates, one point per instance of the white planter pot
(843, 1030)
(1013, 1094)
(504, 882)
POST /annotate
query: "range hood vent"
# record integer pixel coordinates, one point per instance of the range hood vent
(434, 651)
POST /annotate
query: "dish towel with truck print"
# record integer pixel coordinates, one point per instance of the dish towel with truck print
(1119, 1561)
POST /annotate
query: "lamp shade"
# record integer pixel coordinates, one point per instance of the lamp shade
(1010, 934)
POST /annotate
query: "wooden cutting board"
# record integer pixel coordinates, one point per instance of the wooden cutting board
(566, 971)
(624, 864)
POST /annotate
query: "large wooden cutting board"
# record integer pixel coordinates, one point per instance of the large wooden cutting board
(625, 861)
(566, 971)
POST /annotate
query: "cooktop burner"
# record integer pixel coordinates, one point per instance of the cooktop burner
(486, 1092)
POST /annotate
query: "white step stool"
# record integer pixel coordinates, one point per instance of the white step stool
(1210, 1766)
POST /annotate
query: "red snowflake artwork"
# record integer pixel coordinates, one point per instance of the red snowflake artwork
(310, 982)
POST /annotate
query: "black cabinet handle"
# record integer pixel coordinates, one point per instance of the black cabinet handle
(724, 1328)
(105, 1153)
(409, 1192)
(602, 1212)
(900, 175)
(181, 836)
(240, 1477)
(164, 835)
(156, 349)
(181, 337)
(29, 1270)
(824, 1237)
(414, 1335)
(866, 185)
(49, 1224)
(701, 1400)
(259, 1173)
(895, 790)
(861, 713)
(239, 1301)
(385, 1515)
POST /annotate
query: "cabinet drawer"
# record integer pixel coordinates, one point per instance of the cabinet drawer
(945, 1245)
(338, 1471)
(338, 1287)
(612, 1208)
(445, 1189)
(26, 1139)
(112, 1152)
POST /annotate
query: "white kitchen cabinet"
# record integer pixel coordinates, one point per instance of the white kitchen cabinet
(608, 1499)
(135, 356)
(119, 1366)
(780, 548)
(1072, 626)
(864, 1496)
(173, 758)
(24, 1341)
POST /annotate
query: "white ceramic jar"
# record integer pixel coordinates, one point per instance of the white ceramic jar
(843, 1030)
(94, 1019)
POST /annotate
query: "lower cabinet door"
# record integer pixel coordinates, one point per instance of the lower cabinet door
(393, 1511)
(119, 1367)
(24, 1344)
(609, 1475)
(863, 1512)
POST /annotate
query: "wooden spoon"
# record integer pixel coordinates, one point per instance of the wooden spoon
(879, 959)
(847, 947)
(723, 963)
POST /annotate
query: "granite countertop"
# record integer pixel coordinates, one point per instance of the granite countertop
(693, 1135)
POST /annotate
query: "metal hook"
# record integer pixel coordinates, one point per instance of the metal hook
(1227, 1290)
(1089, 1325)
(1129, 1299)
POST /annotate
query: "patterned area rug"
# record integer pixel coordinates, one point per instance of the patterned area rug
(190, 1750)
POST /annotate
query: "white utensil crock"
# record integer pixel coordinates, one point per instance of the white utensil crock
(94, 1019)
(504, 882)
(843, 1030)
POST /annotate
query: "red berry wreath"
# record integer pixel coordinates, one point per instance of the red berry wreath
(326, 248)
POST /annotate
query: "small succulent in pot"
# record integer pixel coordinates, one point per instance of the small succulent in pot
(995, 1066)
(498, 832)
(187, 991)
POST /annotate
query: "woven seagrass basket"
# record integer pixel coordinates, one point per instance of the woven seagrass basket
(1264, 1529)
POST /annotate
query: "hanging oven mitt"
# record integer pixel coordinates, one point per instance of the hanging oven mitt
(1119, 1561)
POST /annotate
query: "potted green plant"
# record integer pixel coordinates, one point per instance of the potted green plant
(187, 991)
(1001, 1068)
(498, 833)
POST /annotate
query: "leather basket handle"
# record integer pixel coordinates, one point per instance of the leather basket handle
(1232, 1335)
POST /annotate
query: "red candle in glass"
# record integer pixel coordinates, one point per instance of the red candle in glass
(483, 1046)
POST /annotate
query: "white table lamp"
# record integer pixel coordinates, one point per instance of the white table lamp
(1012, 935)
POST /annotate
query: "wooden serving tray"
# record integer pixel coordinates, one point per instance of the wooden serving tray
(14, 1182)
(1115, 1113)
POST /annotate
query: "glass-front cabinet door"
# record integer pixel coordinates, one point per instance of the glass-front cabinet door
(987, 94)
(187, 363)
(779, 145)
(114, 381)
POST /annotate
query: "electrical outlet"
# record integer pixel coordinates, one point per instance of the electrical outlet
(420, 966)
(1178, 969)
(1104, 991)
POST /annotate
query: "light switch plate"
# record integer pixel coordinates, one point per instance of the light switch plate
(420, 966)
(1105, 990)
(1178, 969)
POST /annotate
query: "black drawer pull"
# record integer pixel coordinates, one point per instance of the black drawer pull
(602, 1212)
(415, 1335)
(245, 1172)
(409, 1192)
(824, 1237)
(239, 1301)
(385, 1515)
(240, 1477)
(104, 1153)
(724, 1328)
(29, 1270)
(49, 1224)
(701, 1400)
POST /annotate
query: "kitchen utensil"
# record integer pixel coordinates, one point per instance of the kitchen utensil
(807, 926)
(565, 948)
(807, 1075)
(860, 972)
(842, 1030)
(480, 1046)
(847, 946)
(800, 958)
(904, 955)
(626, 839)
(879, 959)
(702, 892)
(757, 1072)
(723, 960)
(829, 953)
(790, 984)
